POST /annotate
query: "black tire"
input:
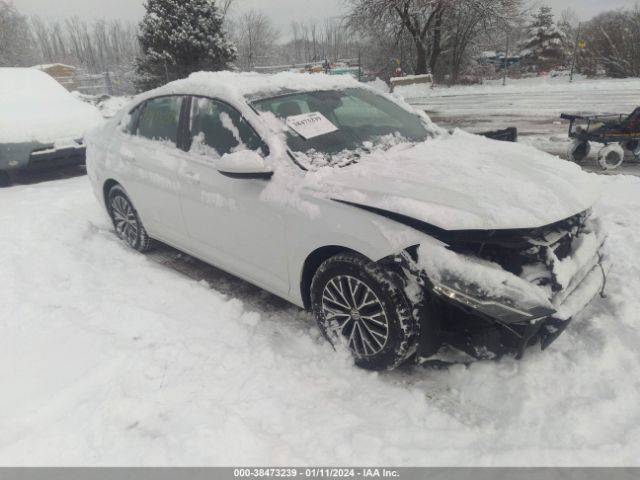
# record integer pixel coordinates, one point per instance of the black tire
(578, 151)
(634, 147)
(611, 156)
(383, 338)
(5, 179)
(126, 220)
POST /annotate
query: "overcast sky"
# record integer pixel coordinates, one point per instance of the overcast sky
(282, 12)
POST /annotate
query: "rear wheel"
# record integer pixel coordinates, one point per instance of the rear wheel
(578, 151)
(126, 220)
(634, 147)
(362, 306)
(611, 156)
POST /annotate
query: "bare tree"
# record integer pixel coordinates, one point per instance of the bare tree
(224, 6)
(296, 27)
(255, 38)
(313, 33)
(16, 43)
(440, 31)
(611, 41)
(421, 19)
(98, 47)
(467, 20)
(43, 39)
(316, 40)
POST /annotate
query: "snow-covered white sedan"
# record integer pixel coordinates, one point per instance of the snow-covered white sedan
(41, 124)
(405, 241)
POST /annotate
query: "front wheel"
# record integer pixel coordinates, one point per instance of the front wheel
(126, 220)
(362, 306)
(611, 156)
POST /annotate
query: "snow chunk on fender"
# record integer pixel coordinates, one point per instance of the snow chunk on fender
(488, 279)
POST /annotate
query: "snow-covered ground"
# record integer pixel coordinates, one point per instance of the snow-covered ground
(109, 357)
(533, 105)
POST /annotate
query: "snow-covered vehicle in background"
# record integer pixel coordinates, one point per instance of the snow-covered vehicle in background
(41, 124)
(404, 240)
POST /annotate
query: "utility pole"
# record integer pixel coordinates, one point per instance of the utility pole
(575, 53)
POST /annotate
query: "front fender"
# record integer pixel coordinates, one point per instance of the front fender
(347, 228)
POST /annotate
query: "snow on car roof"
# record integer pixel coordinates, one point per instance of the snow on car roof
(251, 85)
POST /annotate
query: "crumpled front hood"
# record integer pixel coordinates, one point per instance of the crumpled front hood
(465, 182)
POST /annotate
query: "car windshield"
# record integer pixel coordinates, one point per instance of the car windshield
(356, 121)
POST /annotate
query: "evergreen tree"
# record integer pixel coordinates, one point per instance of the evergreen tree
(544, 47)
(179, 37)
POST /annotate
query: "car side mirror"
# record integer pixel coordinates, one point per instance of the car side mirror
(245, 164)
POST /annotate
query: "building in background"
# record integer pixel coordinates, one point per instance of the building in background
(64, 74)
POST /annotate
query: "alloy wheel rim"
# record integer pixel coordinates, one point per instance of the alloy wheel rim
(124, 219)
(355, 314)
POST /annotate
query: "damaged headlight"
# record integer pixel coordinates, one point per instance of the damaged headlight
(503, 310)
(480, 285)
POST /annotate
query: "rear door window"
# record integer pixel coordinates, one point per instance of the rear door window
(159, 119)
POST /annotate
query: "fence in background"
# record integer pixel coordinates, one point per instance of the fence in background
(107, 83)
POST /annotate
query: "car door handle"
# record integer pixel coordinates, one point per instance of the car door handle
(191, 178)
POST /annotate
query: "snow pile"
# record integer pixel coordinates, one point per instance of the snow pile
(107, 105)
(110, 106)
(34, 107)
(109, 358)
(417, 90)
(379, 85)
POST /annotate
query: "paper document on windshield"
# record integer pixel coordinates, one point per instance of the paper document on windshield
(311, 125)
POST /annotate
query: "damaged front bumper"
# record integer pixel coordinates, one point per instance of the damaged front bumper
(486, 311)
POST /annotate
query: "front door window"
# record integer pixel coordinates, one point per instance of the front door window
(217, 129)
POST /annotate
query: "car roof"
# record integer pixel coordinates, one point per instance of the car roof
(251, 86)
